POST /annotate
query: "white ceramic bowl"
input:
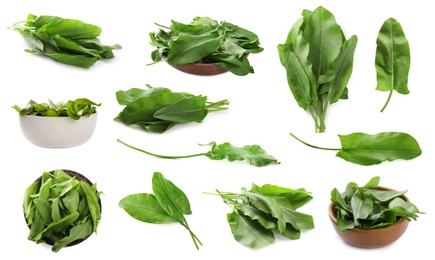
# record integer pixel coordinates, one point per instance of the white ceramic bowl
(57, 132)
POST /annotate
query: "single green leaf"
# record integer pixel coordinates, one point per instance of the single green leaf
(361, 207)
(184, 110)
(325, 39)
(296, 197)
(145, 207)
(393, 59)
(191, 49)
(254, 154)
(249, 232)
(172, 199)
(343, 65)
(81, 231)
(368, 149)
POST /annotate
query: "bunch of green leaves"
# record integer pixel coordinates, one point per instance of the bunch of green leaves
(366, 149)
(318, 60)
(61, 209)
(68, 41)
(253, 154)
(370, 207)
(159, 109)
(205, 40)
(73, 108)
(167, 204)
(257, 214)
(393, 59)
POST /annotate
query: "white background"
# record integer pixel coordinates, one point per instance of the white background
(262, 111)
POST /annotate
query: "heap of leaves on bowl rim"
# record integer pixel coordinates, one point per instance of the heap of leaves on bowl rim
(370, 207)
(205, 40)
(73, 108)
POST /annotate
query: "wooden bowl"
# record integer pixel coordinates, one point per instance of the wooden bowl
(201, 69)
(369, 238)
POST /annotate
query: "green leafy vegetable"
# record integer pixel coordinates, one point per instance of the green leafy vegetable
(318, 60)
(61, 209)
(253, 154)
(68, 41)
(371, 206)
(393, 59)
(167, 204)
(159, 109)
(262, 211)
(205, 40)
(73, 108)
(365, 149)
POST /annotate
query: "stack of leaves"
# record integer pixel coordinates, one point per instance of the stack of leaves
(73, 108)
(318, 60)
(205, 40)
(167, 204)
(159, 109)
(68, 41)
(253, 154)
(262, 211)
(367, 149)
(370, 206)
(61, 209)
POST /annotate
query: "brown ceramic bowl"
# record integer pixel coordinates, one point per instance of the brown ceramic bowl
(201, 69)
(370, 238)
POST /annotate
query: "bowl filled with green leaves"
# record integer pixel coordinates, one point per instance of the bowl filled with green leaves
(61, 125)
(62, 208)
(205, 46)
(370, 216)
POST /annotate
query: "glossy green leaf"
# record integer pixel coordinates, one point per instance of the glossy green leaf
(325, 38)
(253, 154)
(190, 49)
(393, 59)
(78, 232)
(249, 232)
(361, 206)
(172, 199)
(145, 207)
(366, 149)
(184, 110)
(343, 65)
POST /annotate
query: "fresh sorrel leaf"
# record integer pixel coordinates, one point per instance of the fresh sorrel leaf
(145, 207)
(393, 59)
(367, 149)
(249, 232)
(78, 232)
(171, 198)
(254, 154)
